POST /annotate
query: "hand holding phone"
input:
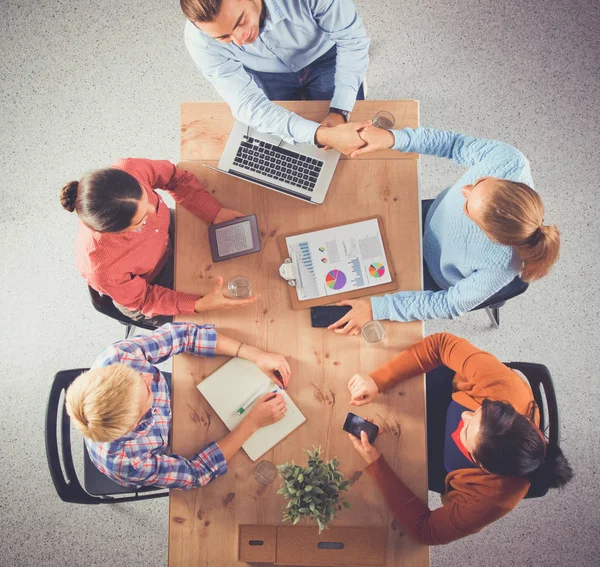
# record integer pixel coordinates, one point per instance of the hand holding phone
(355, 424)
(326, 315)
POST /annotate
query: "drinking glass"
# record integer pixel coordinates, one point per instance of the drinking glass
(373, 332)
(265, 472)
(239, 286)
(384, 119)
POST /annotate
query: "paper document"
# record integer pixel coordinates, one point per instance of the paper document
(234, 383)
(340, 259)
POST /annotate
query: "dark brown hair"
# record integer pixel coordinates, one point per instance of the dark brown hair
(200, 10)
(106, 200)
(510, 444)
(513, 215)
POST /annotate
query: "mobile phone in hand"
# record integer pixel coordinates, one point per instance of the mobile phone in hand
(354, 424)
(327, 314)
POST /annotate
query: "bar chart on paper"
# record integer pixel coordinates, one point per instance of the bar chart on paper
(340, 259)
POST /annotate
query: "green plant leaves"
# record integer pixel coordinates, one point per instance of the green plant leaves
(313, 492)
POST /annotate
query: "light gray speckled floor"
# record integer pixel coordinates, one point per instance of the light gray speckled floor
(86, 83)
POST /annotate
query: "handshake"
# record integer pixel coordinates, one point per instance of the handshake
(354, 138)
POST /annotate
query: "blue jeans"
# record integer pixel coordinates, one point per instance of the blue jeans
(314, 82)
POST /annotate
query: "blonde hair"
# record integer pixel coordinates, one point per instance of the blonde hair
(103, 402)
(513, 215)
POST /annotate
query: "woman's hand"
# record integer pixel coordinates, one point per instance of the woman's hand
(275, 366)
(375, 139)
(269, 409)
(364, 448)
(225, 215)
(215, 299)
(360, 314)
(362, 389)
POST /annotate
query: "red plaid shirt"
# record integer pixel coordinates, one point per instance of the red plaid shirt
(121, 264)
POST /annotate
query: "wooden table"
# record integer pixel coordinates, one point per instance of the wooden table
(203, 523)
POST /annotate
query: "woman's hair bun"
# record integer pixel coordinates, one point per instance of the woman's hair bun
(68, 196)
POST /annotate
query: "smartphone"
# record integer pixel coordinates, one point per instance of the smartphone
(327, 314)
(354, 424)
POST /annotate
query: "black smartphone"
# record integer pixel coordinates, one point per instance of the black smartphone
(354, 424)
(327, 314)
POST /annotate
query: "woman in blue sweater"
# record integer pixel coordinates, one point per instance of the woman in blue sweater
(479, 234)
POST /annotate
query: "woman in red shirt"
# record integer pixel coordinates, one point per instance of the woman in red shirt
(124, 246)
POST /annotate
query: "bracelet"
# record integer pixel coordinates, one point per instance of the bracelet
(239, 348)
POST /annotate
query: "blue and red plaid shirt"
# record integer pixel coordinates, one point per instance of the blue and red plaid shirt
(141, 457)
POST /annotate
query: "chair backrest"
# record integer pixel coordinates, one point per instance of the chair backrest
(540, 380)
(516, 287)
(104, 304)
(67, 484)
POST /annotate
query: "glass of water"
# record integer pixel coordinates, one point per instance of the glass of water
(384, 119)
(373, 332)
(239, 286)
(265, 472)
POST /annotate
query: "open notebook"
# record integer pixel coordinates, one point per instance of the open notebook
(230, 387)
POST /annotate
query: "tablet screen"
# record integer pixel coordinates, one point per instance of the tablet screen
(234, 239)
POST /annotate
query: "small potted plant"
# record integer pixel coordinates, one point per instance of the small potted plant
(314, 491)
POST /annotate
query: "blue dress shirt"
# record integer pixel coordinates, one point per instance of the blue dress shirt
(294, 34)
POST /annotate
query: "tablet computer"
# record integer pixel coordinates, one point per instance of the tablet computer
(234, 238)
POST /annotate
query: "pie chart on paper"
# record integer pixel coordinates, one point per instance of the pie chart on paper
(376, 270)
(336, 279)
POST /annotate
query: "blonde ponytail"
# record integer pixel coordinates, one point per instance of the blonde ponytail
(513, 215)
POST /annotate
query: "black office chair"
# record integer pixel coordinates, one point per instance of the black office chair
(539, 379)
(99, 489)
(491, 305)
(104, 304)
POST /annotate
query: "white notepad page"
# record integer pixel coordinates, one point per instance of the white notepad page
(227, 389)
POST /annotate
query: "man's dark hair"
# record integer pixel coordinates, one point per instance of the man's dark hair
(510, 444)
(200, 10)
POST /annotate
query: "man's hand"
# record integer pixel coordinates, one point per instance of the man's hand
(364, 448)
(269, 409)
(225, 215)
(362, 389)
(375, 139)
(331, 120)
(215, 299)
(353, 321)
(275, 366)
(344, 138)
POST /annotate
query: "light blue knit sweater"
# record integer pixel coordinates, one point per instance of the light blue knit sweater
(463, 261)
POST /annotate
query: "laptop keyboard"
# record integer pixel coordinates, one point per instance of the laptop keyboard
(278, 163)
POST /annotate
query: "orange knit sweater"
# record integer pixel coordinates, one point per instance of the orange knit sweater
(474, 498)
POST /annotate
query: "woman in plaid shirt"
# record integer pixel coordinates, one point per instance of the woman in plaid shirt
(123, 407)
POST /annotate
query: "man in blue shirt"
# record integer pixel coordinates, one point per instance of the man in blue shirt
(256, 51)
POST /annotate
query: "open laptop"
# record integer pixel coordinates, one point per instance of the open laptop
(301, 170)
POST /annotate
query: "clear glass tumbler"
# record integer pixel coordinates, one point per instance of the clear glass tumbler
(384, 119)
(239, 287)
(373, 332)
(265, 472)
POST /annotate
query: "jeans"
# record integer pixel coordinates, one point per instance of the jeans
(314, 82)
(438, 385)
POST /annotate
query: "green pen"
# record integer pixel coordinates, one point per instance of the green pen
(262, 390)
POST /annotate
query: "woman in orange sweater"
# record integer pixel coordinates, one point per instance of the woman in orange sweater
(492, 448)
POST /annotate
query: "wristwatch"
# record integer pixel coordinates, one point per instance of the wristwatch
(344, 113)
